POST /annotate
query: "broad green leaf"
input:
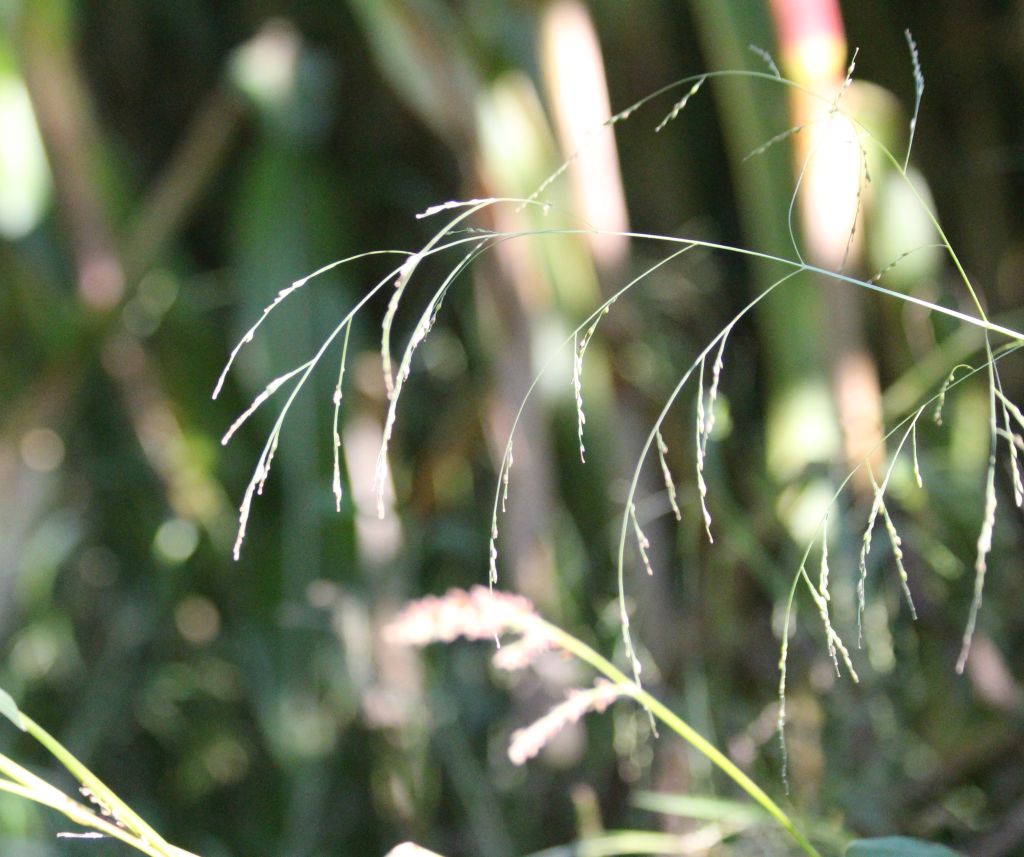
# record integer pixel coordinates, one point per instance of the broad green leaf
(897, 846)
(9, 709)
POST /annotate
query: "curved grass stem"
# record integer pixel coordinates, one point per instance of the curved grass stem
(683, 729)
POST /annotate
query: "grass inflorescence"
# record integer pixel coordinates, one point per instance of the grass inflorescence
(454, 238)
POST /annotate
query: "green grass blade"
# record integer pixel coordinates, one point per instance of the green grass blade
(118, 808)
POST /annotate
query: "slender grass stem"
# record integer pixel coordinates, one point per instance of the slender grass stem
(683, 729)
(119, 821)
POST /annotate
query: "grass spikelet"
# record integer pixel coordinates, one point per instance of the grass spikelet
(824, 571)
(702, 487)
(897, 552)
(858, 201)
(251, 332)
(915, 60)
(836, 644)
(913, 447)
(271, 451)
(401, 281)
(504, 480)
(878, 275)
(677, 108)
(941, 401)
(335, 431)
(588, 138)
(865, 549)
(530, 740)
(577, 389)
(768, 60)
(716, 375)
(454, 204)
(836, 647)
(627, 639)
(500, 500)
(772, 141)
(1018, 486)
(254, 406)
(670, 487)
(780, 720)
(981, 563)
(643, 543)
(255, 486)
(579, 347)
(492, 554)
(1014, 441)
(700, 413)
(380, 474)
(1010, 409)
(848, 80)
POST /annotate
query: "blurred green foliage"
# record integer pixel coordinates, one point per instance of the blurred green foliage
(202, 157)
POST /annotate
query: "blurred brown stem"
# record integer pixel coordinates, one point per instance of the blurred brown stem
(66, 121)
(186, 178)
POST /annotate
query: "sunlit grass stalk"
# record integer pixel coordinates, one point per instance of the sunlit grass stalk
(483, 613)
(683, 729)
(114, 818)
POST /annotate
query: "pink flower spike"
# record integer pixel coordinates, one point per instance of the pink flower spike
(528, 742)
(480, 614)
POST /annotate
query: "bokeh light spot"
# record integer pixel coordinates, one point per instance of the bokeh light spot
(42, 450)
(175, 541)
(197, 620)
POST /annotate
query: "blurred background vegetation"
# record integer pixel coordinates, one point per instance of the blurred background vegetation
(166, 169)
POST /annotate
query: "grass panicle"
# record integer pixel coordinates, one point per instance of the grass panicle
(470, 245)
